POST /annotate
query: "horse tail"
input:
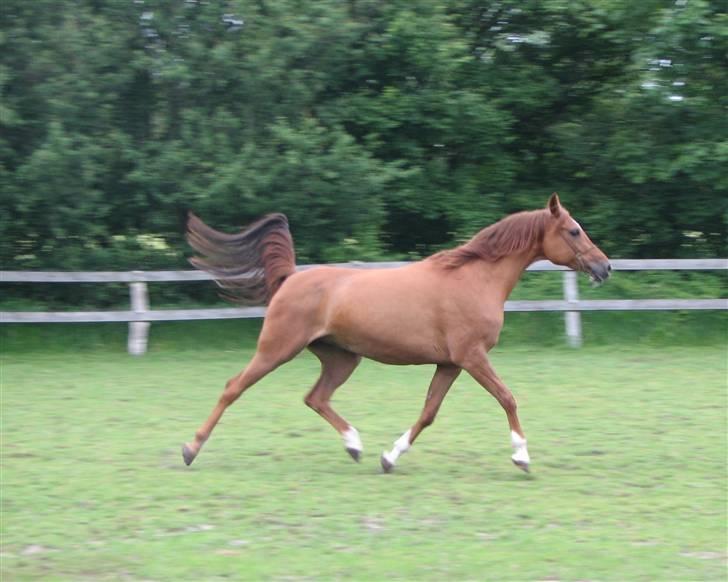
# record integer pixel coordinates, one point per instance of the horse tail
(249, 266)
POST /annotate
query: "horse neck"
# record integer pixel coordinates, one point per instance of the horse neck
(506, 272)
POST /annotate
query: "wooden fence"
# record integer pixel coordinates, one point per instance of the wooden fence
(140, 315)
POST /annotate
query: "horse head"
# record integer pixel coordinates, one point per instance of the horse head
(566, 243)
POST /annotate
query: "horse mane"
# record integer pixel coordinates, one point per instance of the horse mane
(512, 234)
(250, 265)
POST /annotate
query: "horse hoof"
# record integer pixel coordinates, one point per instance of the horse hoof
(521, 465)
(355, 454)
(387, 465)
(187, 454)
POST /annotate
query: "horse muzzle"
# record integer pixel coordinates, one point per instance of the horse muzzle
(599, 271)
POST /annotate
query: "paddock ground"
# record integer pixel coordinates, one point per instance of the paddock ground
(629, 470)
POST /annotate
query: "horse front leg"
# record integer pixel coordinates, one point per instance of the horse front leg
(440, 384)
(479, 367)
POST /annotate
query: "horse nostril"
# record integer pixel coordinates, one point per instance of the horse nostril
(609, 266)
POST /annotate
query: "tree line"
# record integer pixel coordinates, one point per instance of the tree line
(382, 129)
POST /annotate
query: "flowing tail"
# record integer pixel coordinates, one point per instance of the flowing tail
(251, 265)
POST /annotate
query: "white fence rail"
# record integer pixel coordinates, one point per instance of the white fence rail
(140, 315)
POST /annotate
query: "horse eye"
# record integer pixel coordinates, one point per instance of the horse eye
(574, 232)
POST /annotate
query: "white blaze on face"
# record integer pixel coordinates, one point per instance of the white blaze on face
(401, 445)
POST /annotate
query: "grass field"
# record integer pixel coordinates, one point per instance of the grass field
(629, 469)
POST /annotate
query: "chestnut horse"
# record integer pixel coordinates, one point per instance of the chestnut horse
(445, 310)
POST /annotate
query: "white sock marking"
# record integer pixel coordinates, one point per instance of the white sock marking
(401, 446)
(352, 440)
(520, 454)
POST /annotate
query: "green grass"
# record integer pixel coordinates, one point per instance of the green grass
(628, 444)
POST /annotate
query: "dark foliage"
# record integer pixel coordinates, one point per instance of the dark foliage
(381, 130)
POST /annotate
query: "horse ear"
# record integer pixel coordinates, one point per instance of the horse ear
(555, 205)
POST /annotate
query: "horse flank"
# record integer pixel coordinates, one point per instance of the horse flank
(513, 234)
(250, 266)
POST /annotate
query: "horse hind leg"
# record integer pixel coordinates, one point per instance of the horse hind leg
(275, 347)
(439, 386)
(337, 365)
(256, 369)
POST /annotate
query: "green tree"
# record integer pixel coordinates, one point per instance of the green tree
(381, 129)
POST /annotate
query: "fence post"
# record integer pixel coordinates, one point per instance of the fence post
(138, 330)
(572, 319)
